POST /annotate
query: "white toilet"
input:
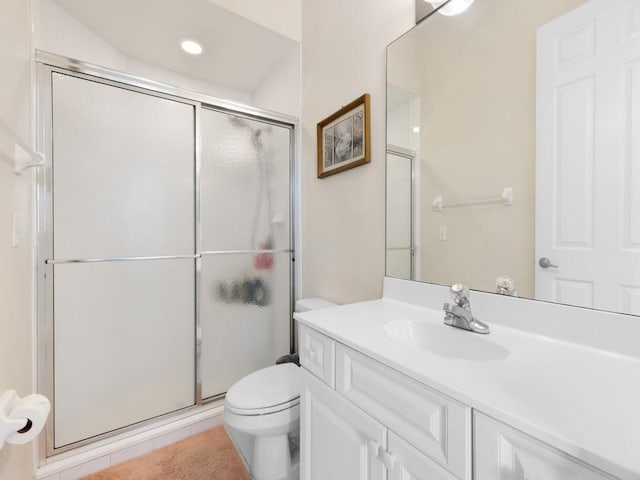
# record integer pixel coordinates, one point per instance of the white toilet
(262, 415)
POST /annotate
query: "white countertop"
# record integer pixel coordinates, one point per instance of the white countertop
(579, 399)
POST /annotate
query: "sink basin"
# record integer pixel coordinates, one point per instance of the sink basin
(445, 340)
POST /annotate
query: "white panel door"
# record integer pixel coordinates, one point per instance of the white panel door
(338, 441)
(502, 453)
(588, 160)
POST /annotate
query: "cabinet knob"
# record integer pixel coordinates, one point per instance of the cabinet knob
(374, 448)
(389, 460)
(312, 354)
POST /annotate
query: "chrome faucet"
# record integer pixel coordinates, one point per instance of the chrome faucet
(458, 313)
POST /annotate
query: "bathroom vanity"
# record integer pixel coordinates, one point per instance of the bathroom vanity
(390, 392)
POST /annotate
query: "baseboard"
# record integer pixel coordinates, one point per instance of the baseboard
(92, 458)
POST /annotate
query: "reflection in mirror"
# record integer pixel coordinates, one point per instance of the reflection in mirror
(526, 178)
(400, 247)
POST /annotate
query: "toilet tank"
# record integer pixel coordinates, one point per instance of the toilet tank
(307, 304)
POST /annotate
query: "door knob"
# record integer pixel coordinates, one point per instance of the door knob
(544, 262)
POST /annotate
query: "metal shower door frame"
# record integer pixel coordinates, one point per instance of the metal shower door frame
(46, 65)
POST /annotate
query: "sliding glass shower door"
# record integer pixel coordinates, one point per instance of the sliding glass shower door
(165, 244)
(123, 259)
(245, 306)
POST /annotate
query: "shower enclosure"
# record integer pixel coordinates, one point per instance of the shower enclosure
(164, 245)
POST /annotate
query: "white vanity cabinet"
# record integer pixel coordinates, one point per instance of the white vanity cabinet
(548, 404)
(502, 452)
(376, 423)
(341, 442)
(361, 419)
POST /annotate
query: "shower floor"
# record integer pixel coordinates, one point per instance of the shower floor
(206, 456)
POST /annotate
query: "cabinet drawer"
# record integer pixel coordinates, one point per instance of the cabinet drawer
(502, 452)
(436, 425)
(317, 354)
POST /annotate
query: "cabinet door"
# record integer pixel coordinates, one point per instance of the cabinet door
(502, 453)
(405, 462)
(338, 440)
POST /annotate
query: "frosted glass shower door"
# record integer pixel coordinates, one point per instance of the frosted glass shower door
(123, 344)
(123, 188)
(245, 288)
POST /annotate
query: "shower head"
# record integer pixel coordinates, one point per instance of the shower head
(256, 133)
(242, 122)
(239, 122)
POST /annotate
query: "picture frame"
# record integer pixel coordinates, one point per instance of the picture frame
(344, 139)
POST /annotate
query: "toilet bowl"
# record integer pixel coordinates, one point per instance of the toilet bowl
(262, 416)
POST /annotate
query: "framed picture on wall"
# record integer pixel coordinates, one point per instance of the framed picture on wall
(343, 138)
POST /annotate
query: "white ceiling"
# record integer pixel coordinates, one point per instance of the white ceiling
(283, 16)
(238, 53)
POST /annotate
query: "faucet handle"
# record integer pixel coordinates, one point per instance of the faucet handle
(460, 295)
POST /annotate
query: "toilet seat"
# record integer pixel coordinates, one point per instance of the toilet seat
(263, 411)
(266, 391)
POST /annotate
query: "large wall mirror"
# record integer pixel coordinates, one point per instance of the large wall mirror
(513, 151)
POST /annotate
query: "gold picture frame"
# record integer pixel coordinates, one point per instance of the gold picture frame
(344, 140)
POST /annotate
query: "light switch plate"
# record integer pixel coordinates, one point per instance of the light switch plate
(17, 229)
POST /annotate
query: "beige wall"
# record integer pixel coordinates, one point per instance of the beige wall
(343, 56)
(16, 288)
(478, 90)
(280, 92)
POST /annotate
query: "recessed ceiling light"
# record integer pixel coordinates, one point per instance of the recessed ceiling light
(191, 46)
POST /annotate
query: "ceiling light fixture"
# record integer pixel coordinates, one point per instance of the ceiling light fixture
(450, 7)
(191, 46)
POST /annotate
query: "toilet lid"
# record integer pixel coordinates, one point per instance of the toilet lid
(265, 388)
